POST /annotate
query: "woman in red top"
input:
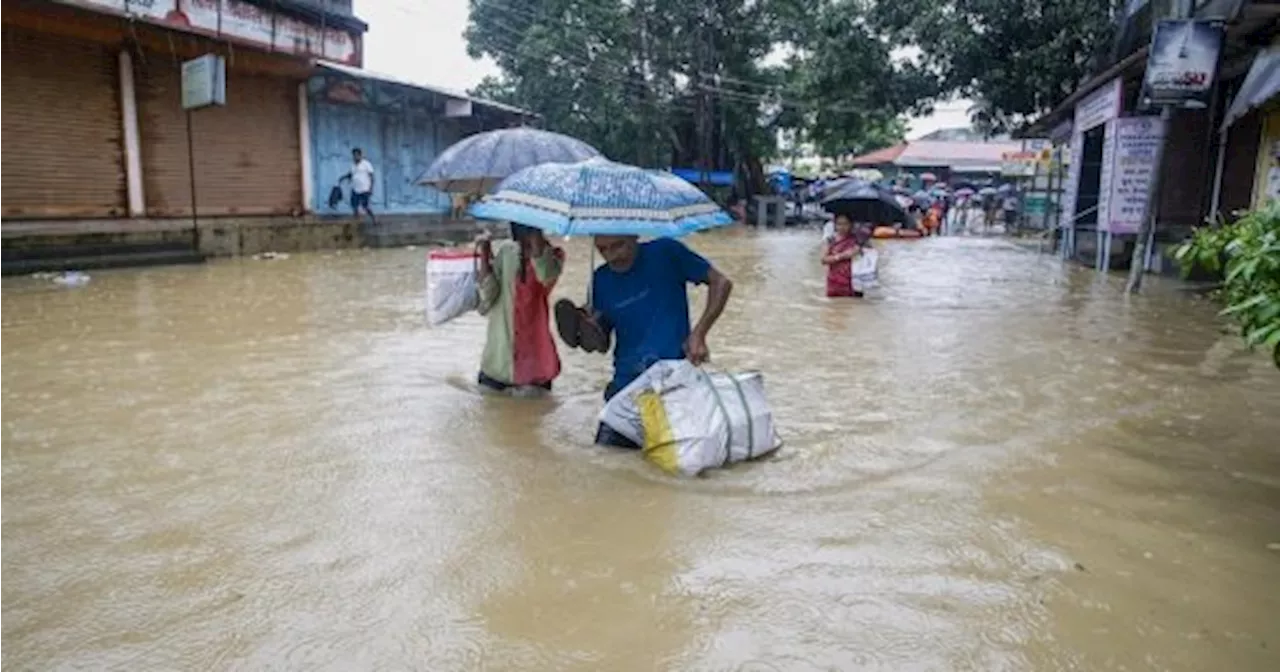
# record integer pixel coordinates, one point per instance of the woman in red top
(841, 252)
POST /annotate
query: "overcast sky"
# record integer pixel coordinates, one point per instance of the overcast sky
(421, 40)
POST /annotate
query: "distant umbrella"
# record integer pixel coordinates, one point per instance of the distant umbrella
(866, 203)
(478, 162)
(964, 191)
(600, 197)
(987, 191)
(928, 177)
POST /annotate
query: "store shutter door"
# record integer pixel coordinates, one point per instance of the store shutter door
(62, 155)
(246, 153)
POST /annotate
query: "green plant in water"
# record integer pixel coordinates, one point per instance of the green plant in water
(1247, 254)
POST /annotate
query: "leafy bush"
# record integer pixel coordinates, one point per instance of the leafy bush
(1247, 254)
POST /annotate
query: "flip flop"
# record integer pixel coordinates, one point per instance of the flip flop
(567, 323)
(576, 330)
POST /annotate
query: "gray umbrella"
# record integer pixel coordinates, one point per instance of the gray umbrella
(478, 162)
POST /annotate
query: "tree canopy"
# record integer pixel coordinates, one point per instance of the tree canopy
(1014, 58)
(713, 82)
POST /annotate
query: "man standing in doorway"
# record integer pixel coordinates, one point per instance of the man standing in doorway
(361, 177)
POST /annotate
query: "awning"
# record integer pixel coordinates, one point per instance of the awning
(1259, 86)
(360, 73)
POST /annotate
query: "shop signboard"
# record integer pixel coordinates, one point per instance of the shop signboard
(1098, 107)
(1018, 164)
(1182, 63)
(1132, 170)
(238, 20)
(204, 82)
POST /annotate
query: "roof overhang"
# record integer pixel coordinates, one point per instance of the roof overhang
(457, 104)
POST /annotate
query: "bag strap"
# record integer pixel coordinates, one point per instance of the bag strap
(746, 409)
(728, 422)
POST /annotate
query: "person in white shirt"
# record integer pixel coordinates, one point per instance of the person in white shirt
(361, 177)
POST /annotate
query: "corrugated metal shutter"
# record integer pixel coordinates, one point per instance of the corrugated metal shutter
(62, 155)
(247, 156)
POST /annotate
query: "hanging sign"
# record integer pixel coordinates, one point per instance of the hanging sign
(1018, 164)
(1133, 167)
(1099, 107)
(204, 82)
(1182, 63)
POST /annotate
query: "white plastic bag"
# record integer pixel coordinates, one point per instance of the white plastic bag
(866, 270)
(451, 285)
(688, 420)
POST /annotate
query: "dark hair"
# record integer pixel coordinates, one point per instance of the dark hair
(521, 233)
(356, 149)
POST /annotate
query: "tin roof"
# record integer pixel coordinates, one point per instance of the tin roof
(361, 73)
(880, 156)
(925, 153)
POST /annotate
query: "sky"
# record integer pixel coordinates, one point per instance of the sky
(421, 41)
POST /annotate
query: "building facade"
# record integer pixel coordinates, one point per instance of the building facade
(98, 147)
(1213, 167)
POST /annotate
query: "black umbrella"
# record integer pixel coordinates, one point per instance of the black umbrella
(865, 203)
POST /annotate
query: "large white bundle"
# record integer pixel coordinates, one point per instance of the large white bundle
(866, 272)
(451, 285)
(689, 420)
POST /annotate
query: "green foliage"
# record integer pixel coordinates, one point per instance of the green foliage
(1247, 253)
(1015, 58)
(628, 75)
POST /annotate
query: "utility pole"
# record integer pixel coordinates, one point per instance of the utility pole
(704, 104)
(1179, 9)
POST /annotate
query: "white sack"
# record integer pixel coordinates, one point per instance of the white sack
(714, 419)
(451, 285)
(866, 270)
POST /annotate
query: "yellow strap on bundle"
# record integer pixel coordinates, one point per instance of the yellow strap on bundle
(659, 442)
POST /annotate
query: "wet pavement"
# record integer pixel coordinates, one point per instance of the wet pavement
(999, 463)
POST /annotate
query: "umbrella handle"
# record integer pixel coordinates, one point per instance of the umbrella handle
(591, 275)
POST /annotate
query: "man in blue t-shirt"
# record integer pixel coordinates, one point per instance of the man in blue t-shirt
(640, 296)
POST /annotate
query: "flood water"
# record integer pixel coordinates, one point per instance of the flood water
(999, 463)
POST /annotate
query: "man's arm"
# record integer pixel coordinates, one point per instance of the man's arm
(719, 288)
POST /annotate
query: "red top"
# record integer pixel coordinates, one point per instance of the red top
(840, 274)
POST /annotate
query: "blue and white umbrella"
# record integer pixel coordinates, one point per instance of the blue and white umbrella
(478, 162)
(600, 197)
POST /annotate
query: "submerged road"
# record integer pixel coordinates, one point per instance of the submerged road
(999, 463)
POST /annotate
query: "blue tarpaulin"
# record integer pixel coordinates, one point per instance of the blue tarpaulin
(719, 178)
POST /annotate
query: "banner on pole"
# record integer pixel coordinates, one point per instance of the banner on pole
(1182, 63)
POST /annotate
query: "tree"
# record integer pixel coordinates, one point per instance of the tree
(673, 82)
(1016, 58)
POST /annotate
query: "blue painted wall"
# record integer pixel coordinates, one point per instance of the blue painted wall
(398, 137)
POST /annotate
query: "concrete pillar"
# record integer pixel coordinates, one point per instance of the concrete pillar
(132, 147)
(304, 147)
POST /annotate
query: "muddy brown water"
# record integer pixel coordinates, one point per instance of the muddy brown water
(999, 463)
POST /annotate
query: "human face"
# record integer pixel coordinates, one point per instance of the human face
(844, 225)
(618, 251)
(356, 155)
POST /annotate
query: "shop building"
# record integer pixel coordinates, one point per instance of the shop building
(100, 161)
(401, 127)
(1213, 158)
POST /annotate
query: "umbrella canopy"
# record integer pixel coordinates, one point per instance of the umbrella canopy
(865, 203)
(922, 198)
(838, 184)
(964, 191)
(928, 177)
(987, 191)
(600, 197)
(477, 162)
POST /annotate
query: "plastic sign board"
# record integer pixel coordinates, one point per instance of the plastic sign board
(1182, 63)
(1131, 172)
(204, 82)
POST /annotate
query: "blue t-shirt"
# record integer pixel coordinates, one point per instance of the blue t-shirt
(647, 307)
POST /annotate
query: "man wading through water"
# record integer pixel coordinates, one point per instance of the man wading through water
(640, 295)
